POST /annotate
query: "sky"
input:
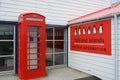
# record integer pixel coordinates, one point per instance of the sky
(113, 1)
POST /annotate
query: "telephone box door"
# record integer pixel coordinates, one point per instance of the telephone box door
(31, 46)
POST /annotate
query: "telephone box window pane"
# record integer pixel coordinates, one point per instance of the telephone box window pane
(32, 45)
(6, 32)
(33, 56)
(34, 48)
(33, 67)
(6, 63)
(34, 39)
(6, 48)
(35, 34)
(32, 28)
(33, 51)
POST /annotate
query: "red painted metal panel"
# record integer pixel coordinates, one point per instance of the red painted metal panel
(32, 46)
(92, 37)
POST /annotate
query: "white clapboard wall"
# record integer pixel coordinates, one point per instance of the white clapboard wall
(102, 66)
(119, 44)
(56, 11)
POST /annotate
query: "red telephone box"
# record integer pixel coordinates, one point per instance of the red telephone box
(32, 46)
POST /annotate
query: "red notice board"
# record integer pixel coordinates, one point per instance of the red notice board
(92, 37)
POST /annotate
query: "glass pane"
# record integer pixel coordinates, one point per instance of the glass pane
(6, 63)
(34, 28)
(33, 67)
(34, 47)
(59, 59)
(49, 59)
(33, 56)
(6, 48)
(59, 46)
(35, 34)
(49, 47)
(6, 32)
(49, 34)
(33, 50)
(33, 61)
(59, 33)
(33, 44)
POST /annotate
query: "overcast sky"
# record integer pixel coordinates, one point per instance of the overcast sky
(113, 1)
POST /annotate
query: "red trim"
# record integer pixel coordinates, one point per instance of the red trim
(99, 13)
(88, 14)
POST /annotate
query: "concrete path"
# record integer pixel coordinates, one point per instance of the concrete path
(54, 74)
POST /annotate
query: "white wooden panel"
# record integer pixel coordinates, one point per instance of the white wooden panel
(94, 71)
(106, 63)
(56, 11)
(102, 66)
(119, 44)
(10, 9)
(70, 7)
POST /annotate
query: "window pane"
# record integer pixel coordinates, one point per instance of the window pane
(6, 63)
(34, 47)
(49, 47)
(6, 48)
(49, 59)
(49, 34)
(34, 28)
(33, 67)
(59, 33)
(59, 46)
(6, 32)
(59, 59)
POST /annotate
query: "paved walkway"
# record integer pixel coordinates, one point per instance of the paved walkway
(54, 74)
